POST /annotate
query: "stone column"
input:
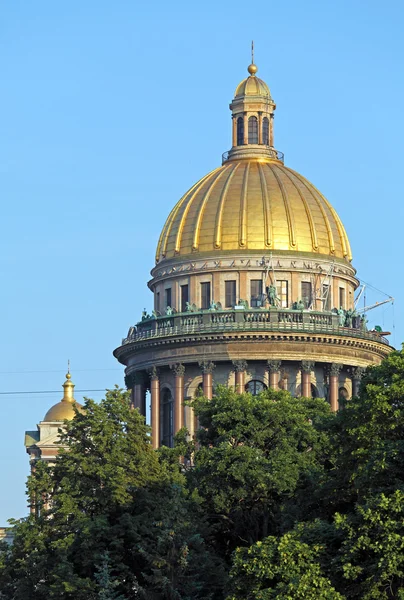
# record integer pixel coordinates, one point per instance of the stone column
(335, 368)
(357, 374)
(207, 371)
(139, 392)
(135, 382)
(179, 371)
(307, 367)
(271, 130)
(240, 367)
(245, 128)
(260, 127)
(274, 367)
(234, 130)
(155, 406)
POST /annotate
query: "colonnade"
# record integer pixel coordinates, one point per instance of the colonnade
(140, 381)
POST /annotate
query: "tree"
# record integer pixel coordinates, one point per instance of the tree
(109, 494)
(254, 453)
(281, 568)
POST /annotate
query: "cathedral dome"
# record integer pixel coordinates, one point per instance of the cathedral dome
(253, 204)
(64, 410)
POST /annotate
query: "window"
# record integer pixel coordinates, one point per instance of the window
(253, 130)
(256, 293)
(282, 293)
(306, 293)
(205, 295)
(265, 131)
(341, 298)
(240, 131)
(168, 297)
(168, 419)
(184, 297)
(230, 293)
(326, 297)
(255, 386)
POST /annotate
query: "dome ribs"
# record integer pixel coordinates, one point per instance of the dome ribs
(255, 205)
(307, 185)
(346, 249)
(186, 210)
(165, 234)
(313, 232)
(243, 209)
(219, 213)
(268, 235)
(289, 214)
(197, 231)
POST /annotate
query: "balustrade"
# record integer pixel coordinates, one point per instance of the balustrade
(245, 320)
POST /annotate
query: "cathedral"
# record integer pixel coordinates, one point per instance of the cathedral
(253, 287)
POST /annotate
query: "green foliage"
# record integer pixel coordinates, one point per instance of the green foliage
(282, 568)
(372, 553)
(275, 498)
(254, 453)
(109, 495)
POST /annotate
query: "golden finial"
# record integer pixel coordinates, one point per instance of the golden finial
(252, 69)
(68, 386)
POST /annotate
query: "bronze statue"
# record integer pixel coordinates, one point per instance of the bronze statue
(271, 294)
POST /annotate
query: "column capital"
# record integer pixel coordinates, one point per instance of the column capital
(207, 366)
(178, 369)
(274, 365)
(334, 369)
(307, 366)
(357, 372)
(239, 365)
(134, 378)
(154, 373)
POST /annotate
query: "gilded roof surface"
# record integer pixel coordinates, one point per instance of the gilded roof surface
(252, 86)
(253, 205)
(61, 411)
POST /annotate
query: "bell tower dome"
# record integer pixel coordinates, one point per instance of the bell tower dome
(252, 111)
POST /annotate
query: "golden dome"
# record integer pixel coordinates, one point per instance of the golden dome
(258, 205)
(252, 86)
(64, 409)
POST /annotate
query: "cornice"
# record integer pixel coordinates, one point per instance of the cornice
(186, 340)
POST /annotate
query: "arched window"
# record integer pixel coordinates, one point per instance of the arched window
(168, 419)
(240, 131)
(265, 131)
(255, 386)
(253, 130)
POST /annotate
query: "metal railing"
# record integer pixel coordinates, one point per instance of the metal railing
(254, 320)
(270, 152)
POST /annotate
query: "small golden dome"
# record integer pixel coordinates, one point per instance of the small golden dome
(64, 409)
(253, 205)
(252, 86)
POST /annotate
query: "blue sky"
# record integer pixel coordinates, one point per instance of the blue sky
(110, 111)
